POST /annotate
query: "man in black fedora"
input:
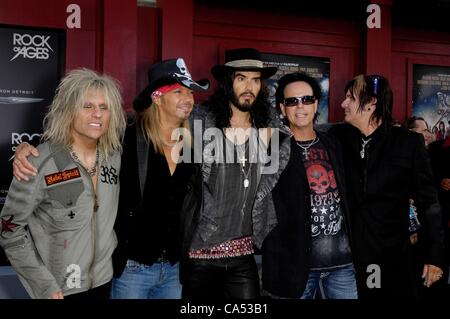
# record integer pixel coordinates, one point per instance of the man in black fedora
(218, 259)
(153, 185)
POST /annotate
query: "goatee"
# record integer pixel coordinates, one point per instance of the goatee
(243, 107)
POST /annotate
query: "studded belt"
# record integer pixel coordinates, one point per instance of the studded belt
(233, 248)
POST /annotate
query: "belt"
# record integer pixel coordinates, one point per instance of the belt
(233, 248)
(162, 258)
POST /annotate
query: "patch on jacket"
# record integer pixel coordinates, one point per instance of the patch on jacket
(8, 225)
(109, 175)
(62, 176)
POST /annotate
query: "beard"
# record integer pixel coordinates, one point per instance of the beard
(243, 107)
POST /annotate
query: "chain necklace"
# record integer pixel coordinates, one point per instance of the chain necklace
(243, 160)
(93, 170)
(362, 153)
(305, 148)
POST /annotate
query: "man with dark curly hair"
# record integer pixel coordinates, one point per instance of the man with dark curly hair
(218, 248)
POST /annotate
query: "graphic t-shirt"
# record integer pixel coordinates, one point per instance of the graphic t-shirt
(330, 247)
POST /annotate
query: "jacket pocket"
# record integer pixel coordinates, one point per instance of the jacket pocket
(64, 211)
(67, 194)
(69, 219)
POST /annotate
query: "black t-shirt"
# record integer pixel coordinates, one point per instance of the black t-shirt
(330, 246)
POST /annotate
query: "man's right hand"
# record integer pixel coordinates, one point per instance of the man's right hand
(445, 184)
(22, 168)
(57, 295)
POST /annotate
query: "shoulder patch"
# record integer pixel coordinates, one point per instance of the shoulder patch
(62, 176)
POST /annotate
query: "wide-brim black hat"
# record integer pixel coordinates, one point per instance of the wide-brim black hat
(244, 59)
(164, 73)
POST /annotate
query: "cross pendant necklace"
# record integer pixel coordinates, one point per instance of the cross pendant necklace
(243, 159)
(305, 153)
(305, 148)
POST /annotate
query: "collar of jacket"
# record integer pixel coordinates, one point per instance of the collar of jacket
(60, 156)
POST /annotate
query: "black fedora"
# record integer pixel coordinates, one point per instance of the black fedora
(244, 59)
(164, 73)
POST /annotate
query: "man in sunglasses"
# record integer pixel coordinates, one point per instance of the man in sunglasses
(308, 253)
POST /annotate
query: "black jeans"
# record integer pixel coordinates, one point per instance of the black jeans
(222, 278)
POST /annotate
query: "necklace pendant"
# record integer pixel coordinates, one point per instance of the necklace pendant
(243, 159)
(246, 183)
(305, 148)
(365, 143)
(306, 153)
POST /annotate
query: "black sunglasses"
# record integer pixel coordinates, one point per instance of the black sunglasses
(293, 101)
(375, 80)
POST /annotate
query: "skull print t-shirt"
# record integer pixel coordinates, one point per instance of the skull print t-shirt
(330, 247)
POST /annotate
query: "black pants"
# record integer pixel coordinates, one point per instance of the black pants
(102, 292)
(223, 278)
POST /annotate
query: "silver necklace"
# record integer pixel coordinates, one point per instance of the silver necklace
(93, 170)
(243, 160)
(305, 148)
(362, 153)
(246, 176)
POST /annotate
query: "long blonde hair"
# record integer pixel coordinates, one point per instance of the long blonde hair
(69, 99)
(149, 122)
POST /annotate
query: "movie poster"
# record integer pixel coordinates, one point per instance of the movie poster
(318, 68)
(431, 97)
(31, 64)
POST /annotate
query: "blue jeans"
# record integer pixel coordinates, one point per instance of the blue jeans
(139, 281)
(337, 284)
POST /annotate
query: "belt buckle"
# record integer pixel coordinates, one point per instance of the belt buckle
(162, 257)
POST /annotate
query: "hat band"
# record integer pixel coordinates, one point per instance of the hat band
(245, 64)
(163, 90)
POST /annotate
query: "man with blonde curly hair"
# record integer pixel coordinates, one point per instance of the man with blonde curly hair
(57, 226)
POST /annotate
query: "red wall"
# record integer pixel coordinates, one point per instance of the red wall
(123, 40)
(149, 40)
(217, 29)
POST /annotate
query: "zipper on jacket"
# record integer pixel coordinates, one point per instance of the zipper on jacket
(93, 225)
(18, 243)
(94, 229)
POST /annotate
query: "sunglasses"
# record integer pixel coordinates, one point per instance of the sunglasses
(295, 100)
(375, 79)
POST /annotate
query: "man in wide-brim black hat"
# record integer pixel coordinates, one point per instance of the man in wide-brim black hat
(219, 261)
(164, 73)
(245, 59)
(153, 185)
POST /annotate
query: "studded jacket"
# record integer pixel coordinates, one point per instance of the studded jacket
(56, 231)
